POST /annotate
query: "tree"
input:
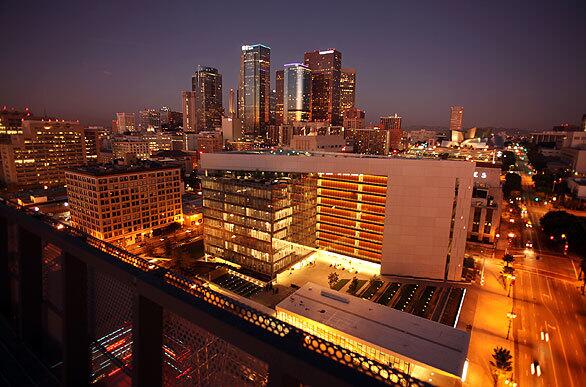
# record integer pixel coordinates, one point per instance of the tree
(501, 361)
(353, 287)
(333, 279)
(512, 183)
(508, 259)
(536, 159)
(508, 159)
(562, 227)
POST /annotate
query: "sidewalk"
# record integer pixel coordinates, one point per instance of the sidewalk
(485, 309)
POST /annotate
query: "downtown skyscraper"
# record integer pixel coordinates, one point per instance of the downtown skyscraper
(296, 93)
(254, 89)
(279, 90)
(347, 89)
(456, 115)
(392, 124)
(206, 82)
(326, 70)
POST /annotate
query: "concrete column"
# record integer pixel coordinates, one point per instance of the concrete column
(30, 250)
(76, 341)
(147, 343)
(4, 276)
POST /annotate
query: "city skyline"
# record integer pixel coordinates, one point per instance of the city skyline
(418, 74)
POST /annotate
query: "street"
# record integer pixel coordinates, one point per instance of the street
(550, 311)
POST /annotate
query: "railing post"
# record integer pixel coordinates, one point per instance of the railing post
(30, 248)
(76, 342)
(4, 270)
(147, 343)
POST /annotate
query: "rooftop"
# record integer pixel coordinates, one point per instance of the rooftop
(424, 341)
(117, 169)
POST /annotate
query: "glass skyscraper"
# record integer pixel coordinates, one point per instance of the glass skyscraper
(326, 69)
(296, 93)
(347, 89)
(207, 85)
(254, 89)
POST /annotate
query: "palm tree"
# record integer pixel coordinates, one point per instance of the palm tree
(333, 279)
(508, 259)
(502, 362)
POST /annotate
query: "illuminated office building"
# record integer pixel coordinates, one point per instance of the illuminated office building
(408, 215)
(296, 93)
(347, 89)
(128, 146)
(93, 139)
(257, 220)
(123, 203)
(370, 141)
(393, 125)
(150, 120)
(353, 118)
(170, 119)
(206, 83)
(326, 69)
(189, 111)
(231, 110)
(456, 116)
(36, 157)
(125, 122)
(210, 141)
(254, 89)
(11, 120)
(279, 90)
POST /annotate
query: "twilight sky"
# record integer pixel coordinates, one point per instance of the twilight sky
(509, 63)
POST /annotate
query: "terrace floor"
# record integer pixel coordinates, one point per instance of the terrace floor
(436, 301)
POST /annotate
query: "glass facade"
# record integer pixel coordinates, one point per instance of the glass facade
(347, 89)
(254, 89)
(207, 85)
(297, 93)
(260, 220)
(267, 221)
(326, 70)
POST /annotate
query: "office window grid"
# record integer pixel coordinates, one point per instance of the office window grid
(350, 214)
(124, 206)
(261, 224)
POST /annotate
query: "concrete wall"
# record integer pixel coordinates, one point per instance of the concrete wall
(419, 204)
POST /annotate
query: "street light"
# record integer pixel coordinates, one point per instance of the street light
(510, 316)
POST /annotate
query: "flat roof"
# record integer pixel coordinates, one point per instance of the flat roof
(112, 169)
(301, 161)
(424, 341)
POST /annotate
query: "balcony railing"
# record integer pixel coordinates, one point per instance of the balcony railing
(286, 334)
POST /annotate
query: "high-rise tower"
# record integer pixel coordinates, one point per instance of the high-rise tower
(207, 85)
(231, 111)
(347, 89)
(326, 69)
(296, 93)
(254, 89)
(279, 90)
(456, 114)
(392, 124)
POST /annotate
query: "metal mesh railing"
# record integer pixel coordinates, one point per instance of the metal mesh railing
(195, 357)
(290, 334)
